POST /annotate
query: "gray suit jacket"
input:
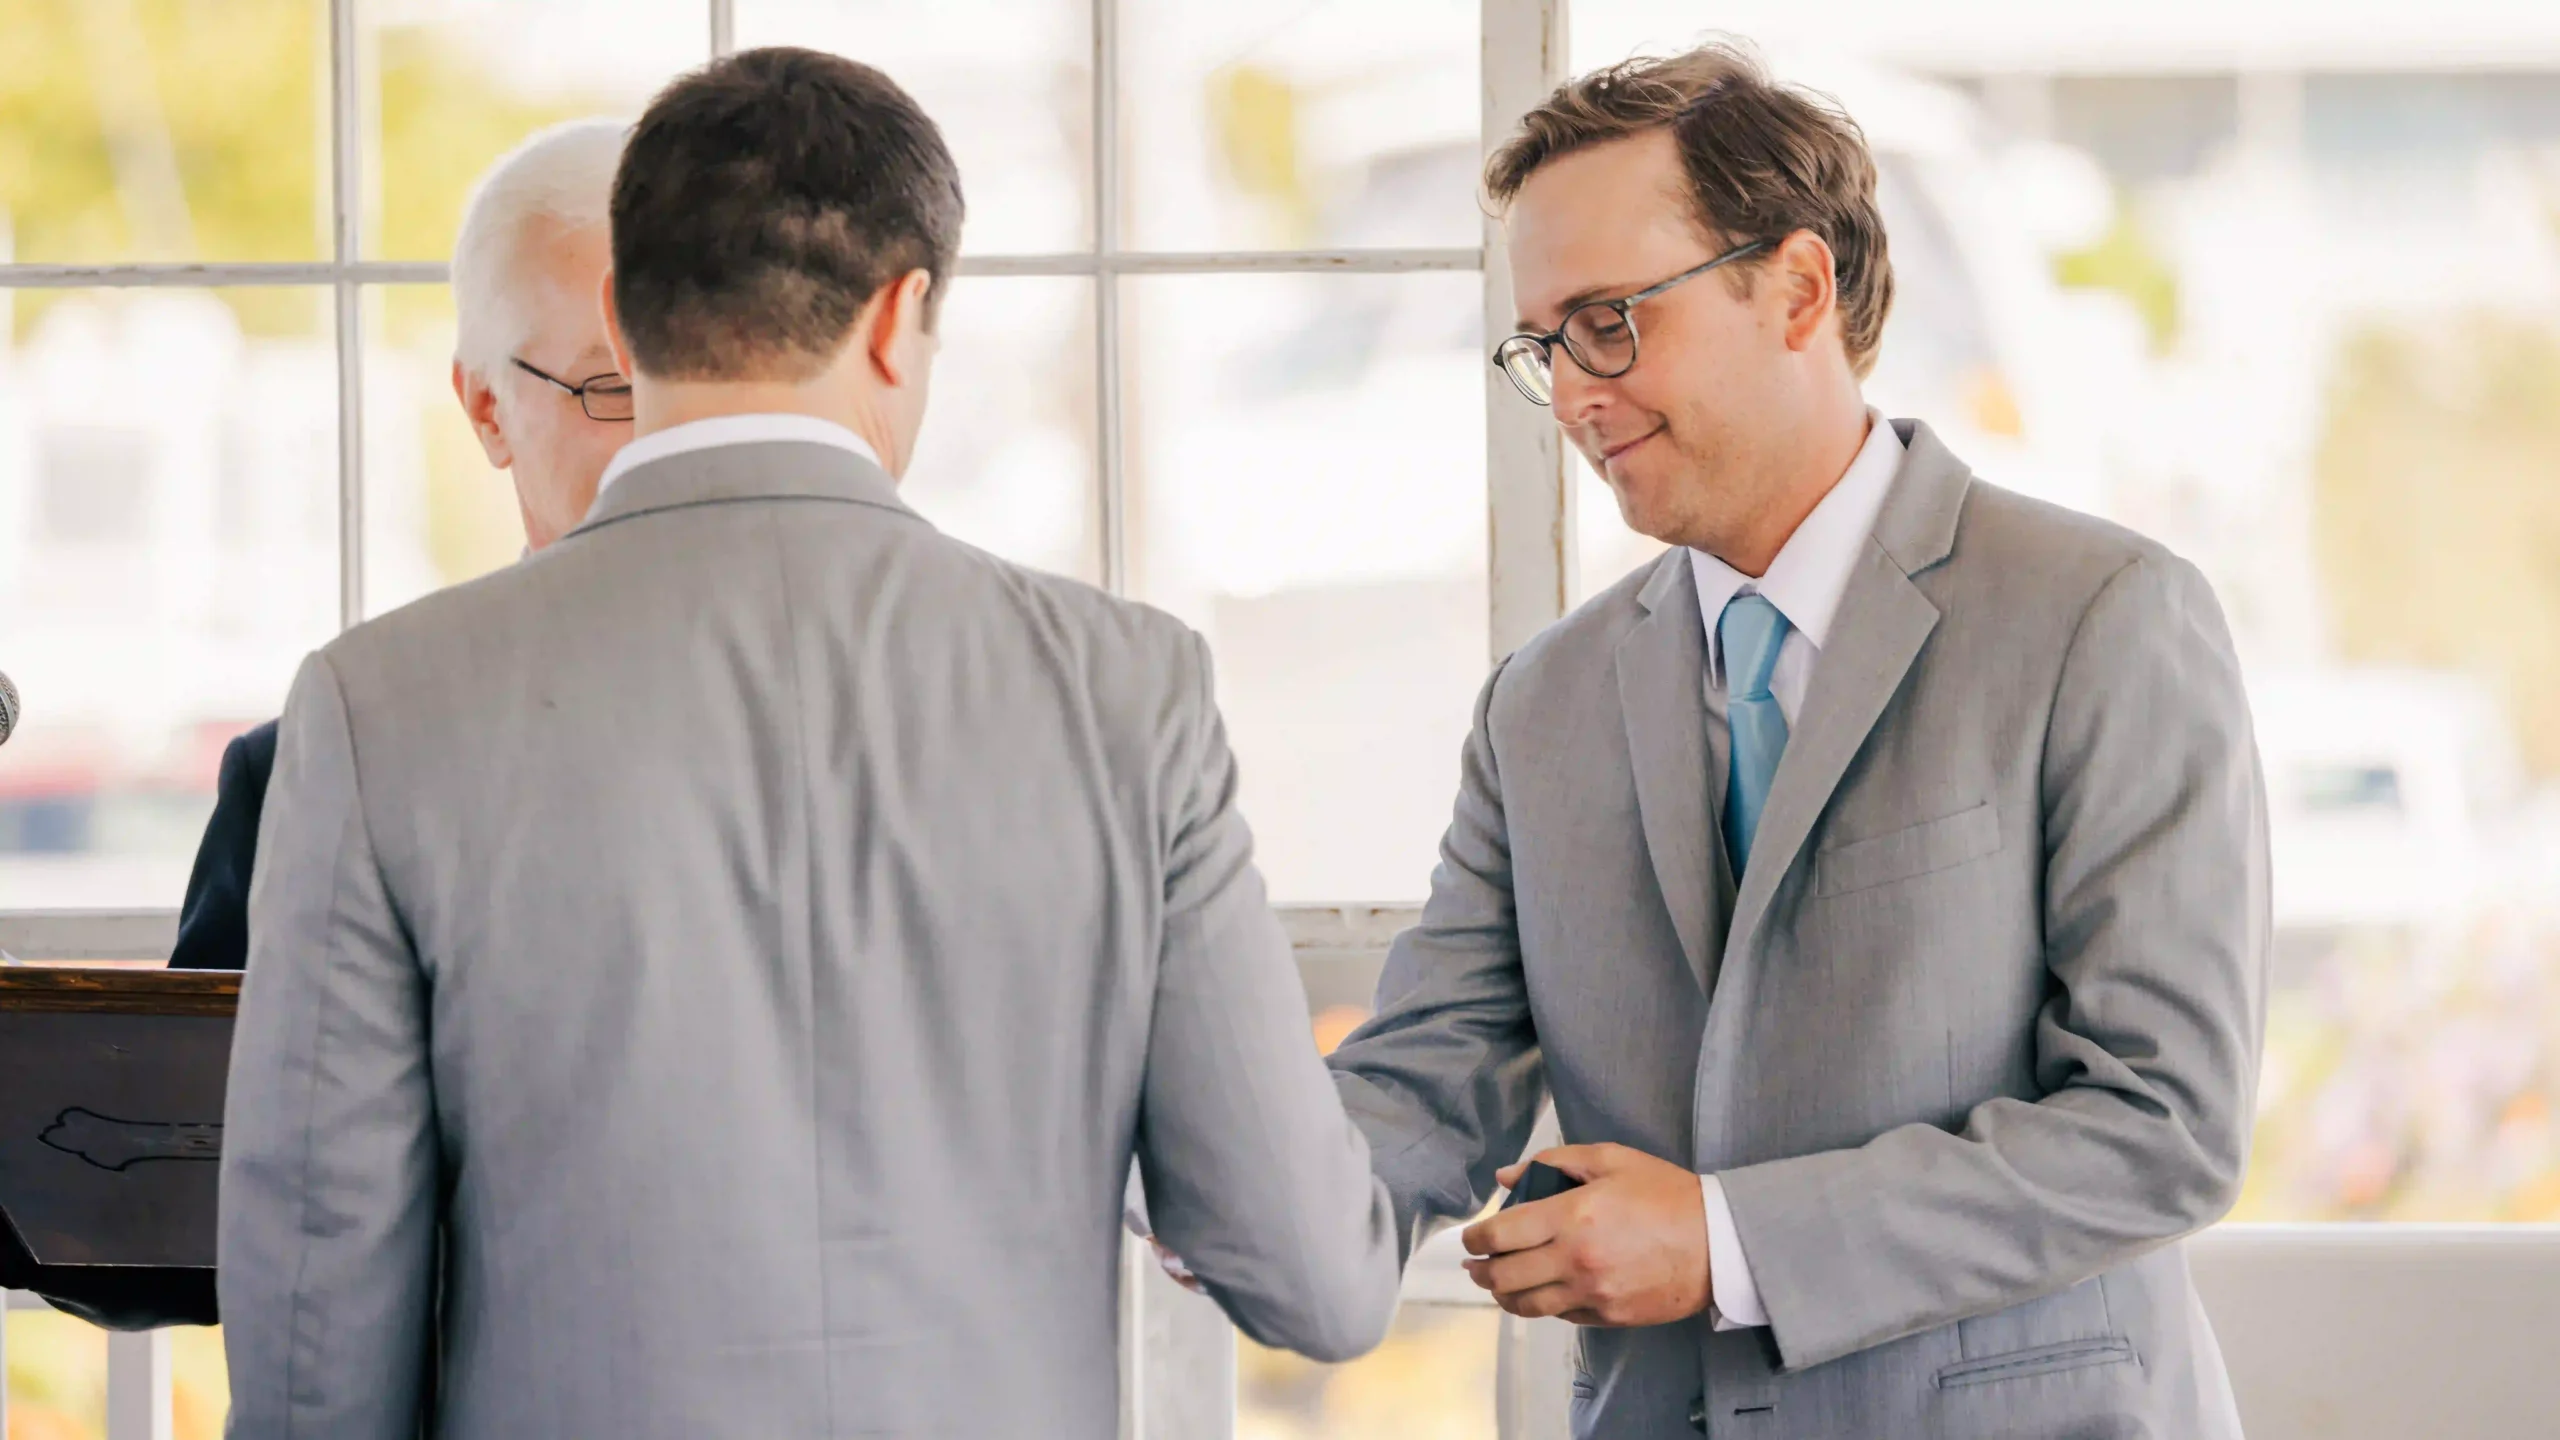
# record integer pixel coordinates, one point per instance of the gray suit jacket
(1973, 1043)
(761, 930)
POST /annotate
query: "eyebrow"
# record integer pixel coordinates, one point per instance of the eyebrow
(1575, 301)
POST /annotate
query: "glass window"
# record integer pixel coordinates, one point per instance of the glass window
(1005, 460)
(1323, 126)
(163, 132)
(453, 84)
(435, 511)
(1306, 487)
(1009, 82)
(168, 553)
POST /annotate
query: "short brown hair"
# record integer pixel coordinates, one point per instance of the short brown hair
(1764, 160)
(762, 201)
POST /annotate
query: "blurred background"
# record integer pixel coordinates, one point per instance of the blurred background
(2274, 280)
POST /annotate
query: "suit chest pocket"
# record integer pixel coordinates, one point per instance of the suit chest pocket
(2072, 1330)
(1931, 845)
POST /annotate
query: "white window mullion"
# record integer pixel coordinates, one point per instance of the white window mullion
(1110, 467)
(1528, 491)
(346, 202)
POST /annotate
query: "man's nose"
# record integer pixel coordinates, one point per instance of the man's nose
(1575, 396)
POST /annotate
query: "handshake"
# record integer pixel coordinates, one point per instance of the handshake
(1594, 1234)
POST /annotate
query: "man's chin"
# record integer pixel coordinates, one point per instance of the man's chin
(1642, 504)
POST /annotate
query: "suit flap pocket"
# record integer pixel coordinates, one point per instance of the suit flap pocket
(1939, 844)
(2042, 1360)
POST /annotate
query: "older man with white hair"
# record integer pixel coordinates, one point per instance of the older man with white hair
(538, 386)
(530, 362)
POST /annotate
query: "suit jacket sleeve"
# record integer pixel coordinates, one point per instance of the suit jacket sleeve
(2155, 922)
(1252, 1171)
(213, 924)
(1446, 1079)
(330, 1163)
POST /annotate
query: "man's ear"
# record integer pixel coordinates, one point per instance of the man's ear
(613, 338)
(1807, 280)
(895, 333)
(480, 406)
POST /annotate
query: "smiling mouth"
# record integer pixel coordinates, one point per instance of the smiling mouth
(1614, 451)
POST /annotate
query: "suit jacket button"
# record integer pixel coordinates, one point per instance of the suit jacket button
(1698, 1414)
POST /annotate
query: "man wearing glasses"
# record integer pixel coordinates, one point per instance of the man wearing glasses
(1877, 883)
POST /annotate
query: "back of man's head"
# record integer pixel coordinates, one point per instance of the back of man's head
(761, 203)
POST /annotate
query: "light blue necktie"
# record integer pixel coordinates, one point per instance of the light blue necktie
(1752, 632)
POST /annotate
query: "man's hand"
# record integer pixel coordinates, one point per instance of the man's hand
(1628, 1247)
(1174, 1268)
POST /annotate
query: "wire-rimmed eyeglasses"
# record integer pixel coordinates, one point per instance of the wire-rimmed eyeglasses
(603, 397)
(1599, 335)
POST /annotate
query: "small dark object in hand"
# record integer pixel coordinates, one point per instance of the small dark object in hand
(1539, 1182)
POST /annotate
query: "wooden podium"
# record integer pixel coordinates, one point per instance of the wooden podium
(111, 1085)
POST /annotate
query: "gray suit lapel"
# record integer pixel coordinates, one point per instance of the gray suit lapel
(1662, 667)
(1882, 623)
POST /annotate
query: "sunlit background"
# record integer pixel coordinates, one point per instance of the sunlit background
(2275, 280)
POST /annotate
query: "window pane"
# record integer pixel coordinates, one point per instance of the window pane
(1306, 486)
(57, 1378)
(168, 554)
(435, 512)
(1005, 461)
(162, 131)
(1323, 126)
(2184, 297)
(457, 83)
(57, 1374)
(1431, 1379)
(1009, 81)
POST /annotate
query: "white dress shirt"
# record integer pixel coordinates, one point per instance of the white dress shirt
(732, 430)
(1805, 581)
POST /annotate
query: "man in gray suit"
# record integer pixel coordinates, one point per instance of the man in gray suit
(1877, 883)
(755, 934)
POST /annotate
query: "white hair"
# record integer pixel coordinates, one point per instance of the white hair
(563, 174)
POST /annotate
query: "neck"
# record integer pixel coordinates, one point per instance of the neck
(664, 404)
(1803, 469)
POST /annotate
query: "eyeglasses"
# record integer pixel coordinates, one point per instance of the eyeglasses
(1599, 335)
(603, 397)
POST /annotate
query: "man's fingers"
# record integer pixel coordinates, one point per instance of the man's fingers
(1523, 1270)
(1509, 1175)
(1515, 1229)
(1541, 1303)
(1585, 1163)
(1174, 1268)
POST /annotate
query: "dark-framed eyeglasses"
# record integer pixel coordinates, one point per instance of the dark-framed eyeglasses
(1599, 335)
(603, 397)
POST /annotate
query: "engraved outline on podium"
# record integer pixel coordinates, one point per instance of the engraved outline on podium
(137, 1141)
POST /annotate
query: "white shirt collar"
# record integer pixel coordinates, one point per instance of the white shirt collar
(1811, 571)
(732, 430)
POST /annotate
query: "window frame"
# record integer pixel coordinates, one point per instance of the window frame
(1178, 1371)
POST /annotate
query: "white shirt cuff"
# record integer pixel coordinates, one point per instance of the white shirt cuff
(1733, 1300)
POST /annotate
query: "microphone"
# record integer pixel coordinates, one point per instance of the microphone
(8, 708)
